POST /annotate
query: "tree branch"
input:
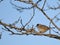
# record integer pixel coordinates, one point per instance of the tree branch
(11, 26)
(0, 34)
(38, 1)
(1, 1)
(48, 18)
(44, 4)
(31, 17)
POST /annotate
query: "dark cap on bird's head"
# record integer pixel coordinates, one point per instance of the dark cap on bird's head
(37, 25)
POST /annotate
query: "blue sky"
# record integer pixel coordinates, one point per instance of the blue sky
(9, 14)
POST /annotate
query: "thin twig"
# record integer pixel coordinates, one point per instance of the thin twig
(1, 0)
(31, 17)
(56, 32)
(25, 1)
(54, 8)
(16, 21)
(50, 24)
(44, 4)
(48, 18)
(55, 16)
(11, 26)
(0, 34)
(8, 29)
(38, 1)
(21, 23)
(20, 8)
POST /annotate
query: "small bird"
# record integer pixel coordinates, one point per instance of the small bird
(42, 28)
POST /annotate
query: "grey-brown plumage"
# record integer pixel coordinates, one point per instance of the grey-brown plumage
(42, 28)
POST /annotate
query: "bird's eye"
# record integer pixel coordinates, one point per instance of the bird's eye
(37, 24)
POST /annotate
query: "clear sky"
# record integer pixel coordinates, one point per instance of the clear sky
(9, 14)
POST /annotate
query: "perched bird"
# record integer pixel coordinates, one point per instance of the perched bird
(42, 28)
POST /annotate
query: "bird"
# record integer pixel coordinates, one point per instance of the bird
(42, 28)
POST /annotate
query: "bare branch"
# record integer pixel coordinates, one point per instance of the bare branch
(38, 1)
(11, 26)
(54, 8)
(16, 21)
(31, 31)
(1, 1)
(25, 1)
(49, 35)
(30, 18)
(48, 18)
(44, 4)
(20, 8)
(21, 23)
(7, 29)
(38, 34)
(0, 34)
(56, 32)
(55, 16)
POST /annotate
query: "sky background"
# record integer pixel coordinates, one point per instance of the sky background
(9, 14)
